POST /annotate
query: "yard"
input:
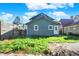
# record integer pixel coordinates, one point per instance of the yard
(33, 45)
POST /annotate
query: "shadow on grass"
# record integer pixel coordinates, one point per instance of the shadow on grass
(66, 37)
(35, 37)
(72, 37)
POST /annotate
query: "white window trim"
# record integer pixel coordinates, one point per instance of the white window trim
(49, 27)
(56, 28)
(27, 29)
(74, 28)
(37, 28)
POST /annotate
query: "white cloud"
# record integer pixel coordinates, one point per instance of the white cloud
(59, 15)
(71, 4)
(25, 19)
(39, 6)
(28, 15)
(6, 16)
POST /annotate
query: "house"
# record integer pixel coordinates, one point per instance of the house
(8, 30)
(42, 25)
(64, 24)
(70, 26)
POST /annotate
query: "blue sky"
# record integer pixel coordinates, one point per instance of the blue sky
(8, 11)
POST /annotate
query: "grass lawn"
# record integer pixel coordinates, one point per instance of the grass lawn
(33, 45)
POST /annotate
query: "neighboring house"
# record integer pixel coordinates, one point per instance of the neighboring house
(70, 26)
(11, 30)
(64, 24)
(6, 30)
(42, 25)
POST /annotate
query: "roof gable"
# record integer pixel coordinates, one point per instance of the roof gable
(43, 16)
(40, 16)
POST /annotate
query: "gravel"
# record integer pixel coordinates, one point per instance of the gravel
(64, 49)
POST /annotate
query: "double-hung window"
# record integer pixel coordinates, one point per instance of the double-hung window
(50, 27)
(35, 27)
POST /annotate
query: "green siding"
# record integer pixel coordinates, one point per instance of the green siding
(43, 28)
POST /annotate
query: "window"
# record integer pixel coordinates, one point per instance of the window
(74, 28)
(35, 27)
(50, 27)
(55, 28)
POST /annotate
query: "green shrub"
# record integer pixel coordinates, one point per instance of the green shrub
(5, 48)
(27, 45)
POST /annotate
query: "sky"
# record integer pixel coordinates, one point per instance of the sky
(8, 11)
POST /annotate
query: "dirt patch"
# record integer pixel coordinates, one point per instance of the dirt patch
(64, 49)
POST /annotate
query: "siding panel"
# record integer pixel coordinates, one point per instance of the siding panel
(43, 28)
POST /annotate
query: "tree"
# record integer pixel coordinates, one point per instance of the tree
(17, 21)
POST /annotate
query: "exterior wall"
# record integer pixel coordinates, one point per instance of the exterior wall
(43, 28)
(72, 29)
(11, 30)
(6, 30)
(77, 30)
(65, 30)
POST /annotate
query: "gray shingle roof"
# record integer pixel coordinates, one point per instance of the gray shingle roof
(41, 16)
(69, 22)
(66, 22)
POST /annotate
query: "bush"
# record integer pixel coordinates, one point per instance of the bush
(26, 45)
